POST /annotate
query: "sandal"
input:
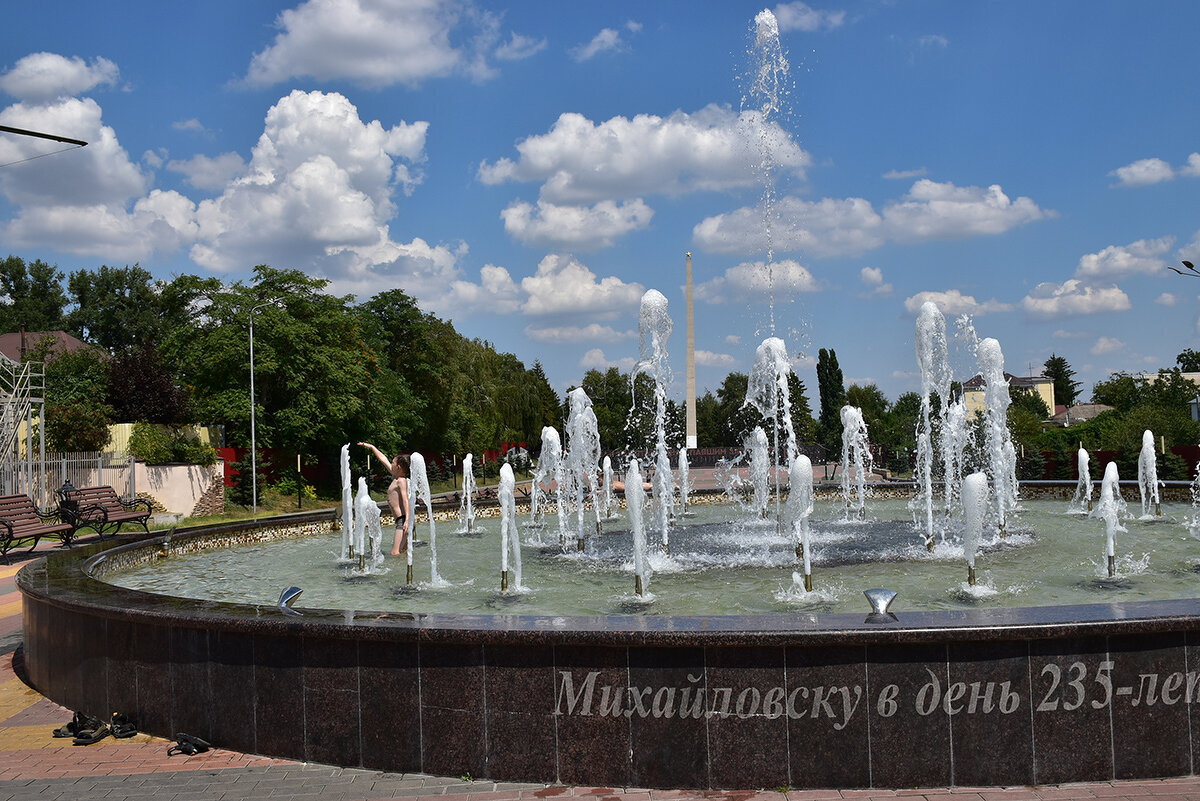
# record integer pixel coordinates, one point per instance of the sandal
(122, 726)
(90, 737)
(72, 729)
(188, 745)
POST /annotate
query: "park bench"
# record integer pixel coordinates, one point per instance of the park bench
(101, 509)
(23, 523)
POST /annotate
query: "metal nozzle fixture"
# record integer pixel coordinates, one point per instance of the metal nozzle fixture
(1003, 530)
(503, 581)
(929, 544)
(880, 600)
(286, 598)
(971, 575)
(799, 551)
(580, 544)
(409, 578)
(1112, 566)
(808, 582)
(1158, 508)
(637, 584)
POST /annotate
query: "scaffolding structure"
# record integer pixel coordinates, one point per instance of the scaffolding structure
(22, 435)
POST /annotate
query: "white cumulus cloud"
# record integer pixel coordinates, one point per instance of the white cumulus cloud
(42, 77)
(378, 43)
(574, 334)
(575, 227)
(1073, 298)
(579, 161)
(1166, 299)
(750, 281)
(706, 358)
(1118, 261)
(851, 226)
(563, 285)
(1106, 345)
(798, 16)
(954, 302)
(1143, 172)
(595, 359)
(606, 41)
(204, 172)
(872, 278)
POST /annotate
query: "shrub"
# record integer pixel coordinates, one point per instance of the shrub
(156, 444)
(75, 427)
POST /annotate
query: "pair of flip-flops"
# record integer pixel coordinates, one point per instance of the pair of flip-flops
(188, 744)
(85, 730)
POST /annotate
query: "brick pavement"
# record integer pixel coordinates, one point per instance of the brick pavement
(34, 766)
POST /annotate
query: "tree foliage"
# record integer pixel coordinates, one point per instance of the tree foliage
(832, 393)
(1066, 388)
(33, 296)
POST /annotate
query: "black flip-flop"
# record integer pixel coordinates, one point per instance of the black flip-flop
(200, 745)
(90, 737)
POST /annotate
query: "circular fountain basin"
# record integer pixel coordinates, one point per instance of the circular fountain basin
(792, 697)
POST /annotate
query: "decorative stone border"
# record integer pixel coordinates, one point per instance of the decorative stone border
(987, 697)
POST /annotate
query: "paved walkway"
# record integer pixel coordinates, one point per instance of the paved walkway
(34, 766)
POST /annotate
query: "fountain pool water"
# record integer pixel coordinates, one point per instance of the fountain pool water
(723, 563)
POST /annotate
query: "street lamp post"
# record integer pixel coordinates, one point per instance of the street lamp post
(253, 440)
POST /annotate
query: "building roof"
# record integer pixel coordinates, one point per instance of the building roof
(16, 344)
(1026, 382)
(1078, 413)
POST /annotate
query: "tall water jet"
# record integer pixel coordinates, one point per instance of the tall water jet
(347, 505)
(933, 359)
(418, 490)
(608, 502)
(1001, 455)
(974, 496)
(635, 501)
(799, 509)
(856, 456)
(358, 539)
(466, 509)
(654, 329)
(760, 471)
(685, 482)
(953, 447)
(549, 470)
(767, 391)
(510, 540)
(1109, 511)
(1148, 476)
(582, 459)
(1083, 488)
(768, 87)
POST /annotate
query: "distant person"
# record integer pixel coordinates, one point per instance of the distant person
(397, 495)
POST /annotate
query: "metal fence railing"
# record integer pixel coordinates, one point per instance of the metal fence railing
(39, 478)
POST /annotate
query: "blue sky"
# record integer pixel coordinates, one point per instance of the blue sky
(530, 170)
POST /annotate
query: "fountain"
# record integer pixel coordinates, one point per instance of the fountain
(510, 539)
(466, 511)
(1001, 455)
(760, 471)
(418, 490)
(549, 469)
(932, 358)
(1089, 686)
(685, 482)
(1148, 476)
(974, 495)
(1082, 501)
(767, 391)
(582, 461)
(654, 329)
(1110, 509)
(347, 505)
(635, 502)
(799, 509)
(608, 502)
(856, 460)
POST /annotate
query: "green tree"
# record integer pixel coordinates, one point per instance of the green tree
(77, 416)
(873, 403)
(315, 376)
(116, 307)
(142, 388)
(33, 296)
(1066, 388)
(832, 393)
(1188, 361)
